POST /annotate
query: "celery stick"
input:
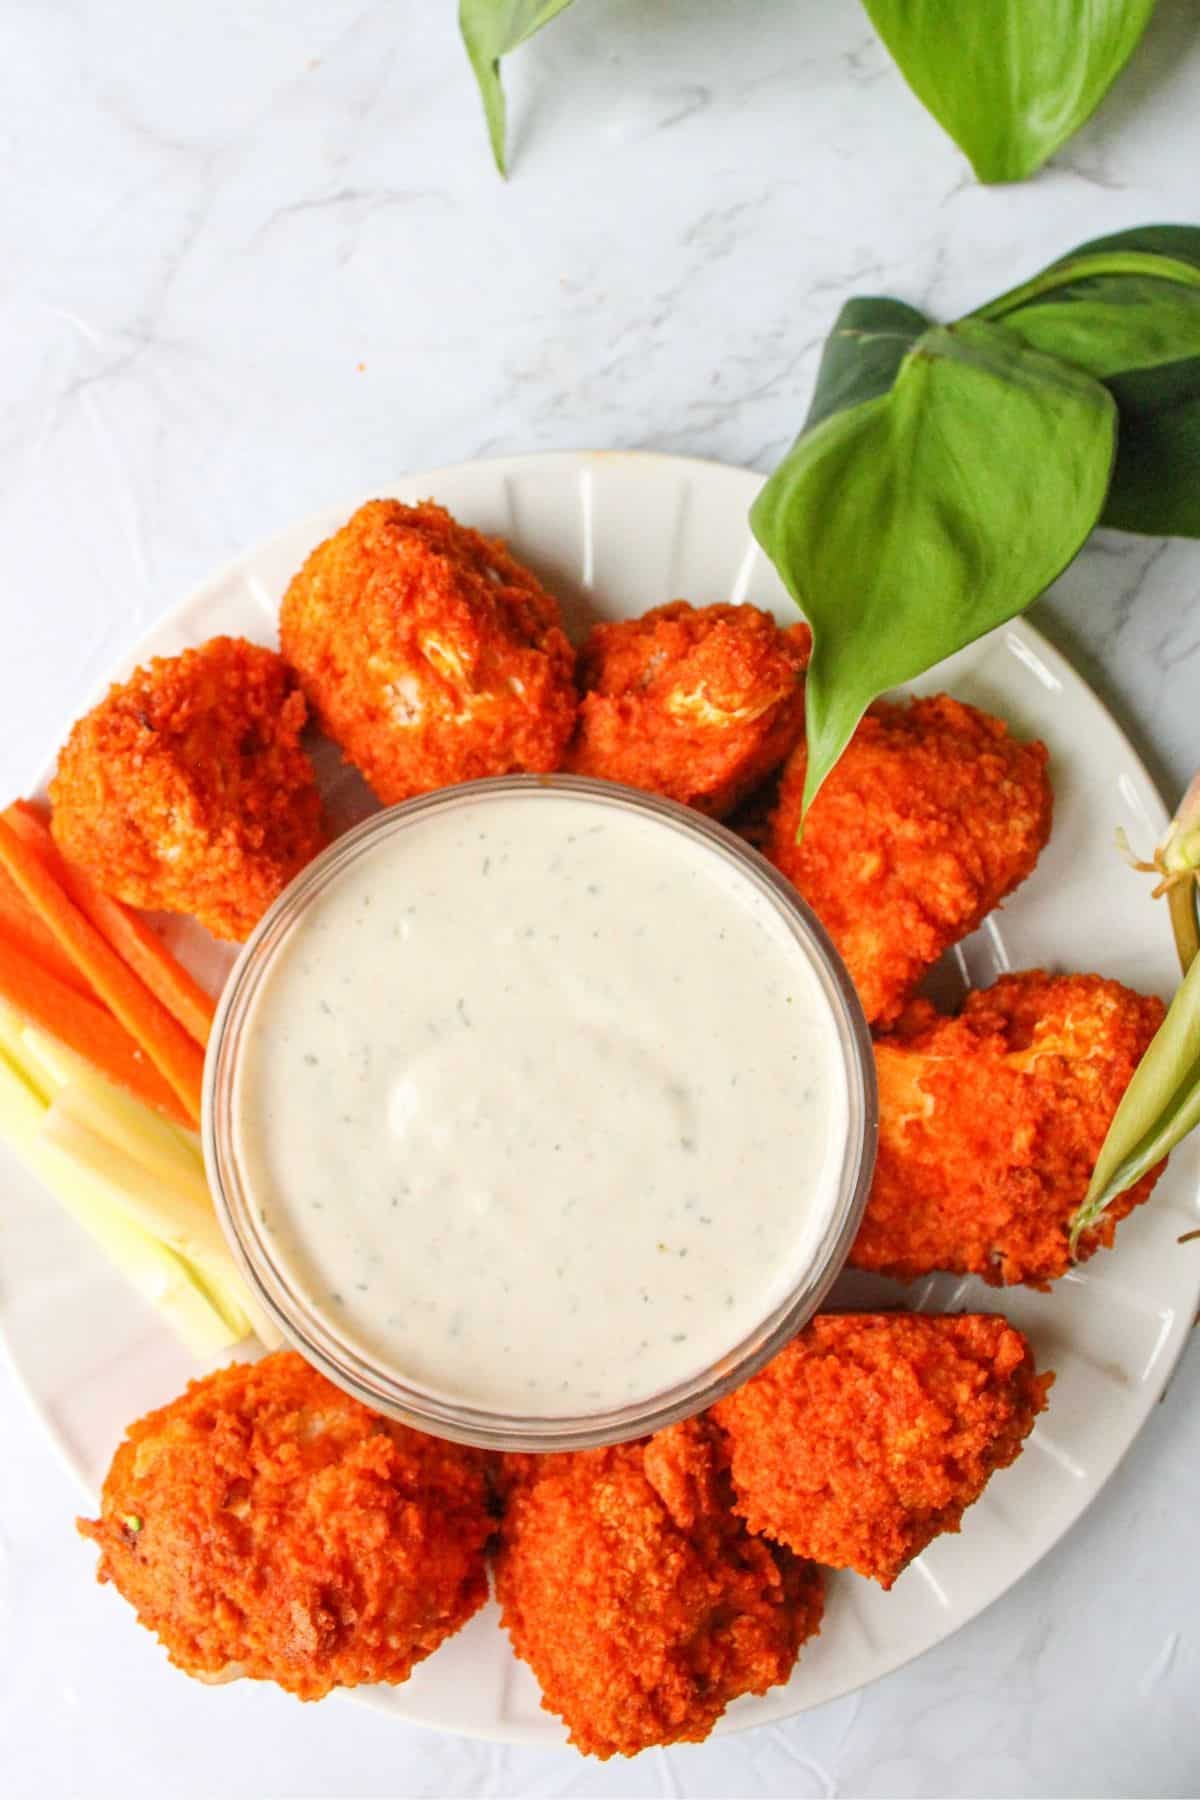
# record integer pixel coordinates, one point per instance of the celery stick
(170, 1156)
(57, 1063)
(268, 1335)
(161, 1277)
(177, 1211)
(22, 1108)
(130, 1129)
(12, 1047)
(42, 1055)
(90, 1114)
(127, 1123)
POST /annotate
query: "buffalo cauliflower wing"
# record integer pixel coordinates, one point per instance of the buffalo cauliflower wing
(870, 1434)
(266, 1525)
(639, 1601)
(428, 653)
(933, 814)
(697, 703)
(990, 1125)
(187, 789)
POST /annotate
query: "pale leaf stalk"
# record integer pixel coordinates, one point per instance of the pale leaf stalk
(1181, 901)
(1161, 1105)
(1180, 858)
(1176, 862)
(1181, 850)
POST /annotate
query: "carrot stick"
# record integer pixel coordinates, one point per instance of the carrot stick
(166, 1043)
(85, 1027)
(129, 934)
(21, 927)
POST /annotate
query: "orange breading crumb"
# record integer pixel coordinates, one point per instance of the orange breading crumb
(264, 1524)
(428, 653)
(871, 1433)
(932, 816)
(991, 1123)
(697, 703)
(640, 1603)
(186, 789)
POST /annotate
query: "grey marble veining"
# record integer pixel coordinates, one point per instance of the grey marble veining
(255, 258)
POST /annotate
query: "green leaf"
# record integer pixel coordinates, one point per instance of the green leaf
(912, 523)
(1179, 242)
(1159, 1107)
(1097, 264)
(490, 29)
(863, 353)
(1111, 324)
(1156, 483)
(1010, 80)
(1139, 337)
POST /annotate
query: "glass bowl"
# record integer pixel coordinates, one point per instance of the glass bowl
(315, 1332)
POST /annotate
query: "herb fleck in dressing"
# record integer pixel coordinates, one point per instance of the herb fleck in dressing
(543, 1104)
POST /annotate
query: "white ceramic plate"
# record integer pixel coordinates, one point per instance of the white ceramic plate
(612, 535)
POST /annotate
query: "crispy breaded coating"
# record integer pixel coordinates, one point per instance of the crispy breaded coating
(638, 1600)
(697, 703)
(186, 789)
(427, 652)
(932, 816)
(869, 1434)
(991, 1123)
(266, 1525)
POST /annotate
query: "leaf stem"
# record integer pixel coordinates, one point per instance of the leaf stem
(1181, 900)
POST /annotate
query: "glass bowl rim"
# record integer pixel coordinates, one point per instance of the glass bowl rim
(303, 1325)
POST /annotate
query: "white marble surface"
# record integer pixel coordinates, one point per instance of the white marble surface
(255, 258)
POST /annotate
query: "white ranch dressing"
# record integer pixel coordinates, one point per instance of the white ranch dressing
(541, 1104)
